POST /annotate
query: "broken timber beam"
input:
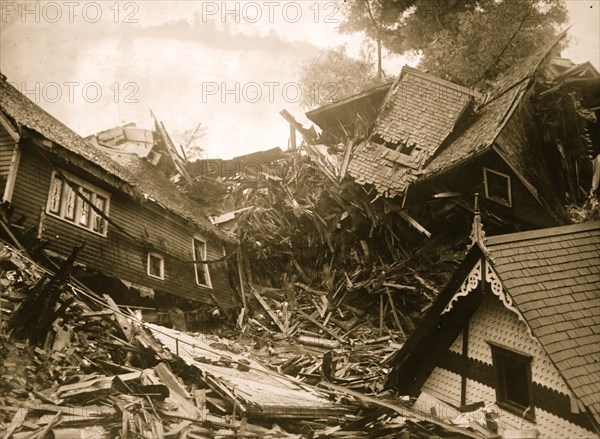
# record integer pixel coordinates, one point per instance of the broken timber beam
(320, 326)
(269, 311)
(413, 222)
(403, 411)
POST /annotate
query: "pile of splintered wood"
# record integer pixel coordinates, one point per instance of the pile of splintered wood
(76, 365)
(298, 228)
(304, 337)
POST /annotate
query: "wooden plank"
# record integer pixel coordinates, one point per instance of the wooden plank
(399, 286)
(319, 342)
(394, 313)
(121, 319)
(403, 411)
(177, 392)
(413, 222)
(200, 399)
(320, 325)
(87, 410)
(16, 421)
(269, 311)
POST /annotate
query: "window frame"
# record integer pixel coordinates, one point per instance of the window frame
(200, 238)
(85, 188)
(162, 265)
(505, 202)
(501, 354)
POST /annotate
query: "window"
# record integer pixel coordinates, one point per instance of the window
(497, 187)
(65, 203)
(202, 273)
(513, 381)
(156, 265)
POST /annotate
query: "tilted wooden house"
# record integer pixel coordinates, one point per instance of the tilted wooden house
(518, 325)
(434, 140)
(142, 235)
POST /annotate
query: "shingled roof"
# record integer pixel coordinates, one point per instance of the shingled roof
(418, 114)
(421, 109)
(25, 113)
(481, 128)
(435, 116)
(553, 276)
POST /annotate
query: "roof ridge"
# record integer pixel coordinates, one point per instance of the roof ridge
(542, 233)
(432, 78)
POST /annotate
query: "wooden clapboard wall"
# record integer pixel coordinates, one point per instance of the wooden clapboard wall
(123, 255)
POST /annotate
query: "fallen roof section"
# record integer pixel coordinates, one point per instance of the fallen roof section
(262, 392)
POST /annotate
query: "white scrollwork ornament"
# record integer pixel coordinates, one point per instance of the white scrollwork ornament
(469, 284)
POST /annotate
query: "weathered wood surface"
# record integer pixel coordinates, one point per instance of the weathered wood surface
(265, 392)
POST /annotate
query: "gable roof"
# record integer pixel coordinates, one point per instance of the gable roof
(435, 114)
(25, 113)
(332, 116)
(421, 109)
(482, 129)
(553, 278)
(419, 113)
(486, 124)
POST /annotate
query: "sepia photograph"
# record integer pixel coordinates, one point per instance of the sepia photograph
(334, 219)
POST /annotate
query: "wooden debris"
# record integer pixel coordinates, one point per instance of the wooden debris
(80, 381)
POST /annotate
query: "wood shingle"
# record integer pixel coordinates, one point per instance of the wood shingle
(562, 305)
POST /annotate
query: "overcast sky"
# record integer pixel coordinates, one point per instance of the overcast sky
(95, 65)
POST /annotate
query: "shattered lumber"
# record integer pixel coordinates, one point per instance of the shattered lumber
(403, 411)
(102, 373)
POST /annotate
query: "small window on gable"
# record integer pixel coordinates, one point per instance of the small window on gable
(156, 265)
(72, 201)
(200, 254)
(513, 381)
(497, 187)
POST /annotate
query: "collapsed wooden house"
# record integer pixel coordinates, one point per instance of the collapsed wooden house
(527, 145)
(517, 325)
(144, 239)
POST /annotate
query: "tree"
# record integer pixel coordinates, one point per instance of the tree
(468, 42)
(333, 76)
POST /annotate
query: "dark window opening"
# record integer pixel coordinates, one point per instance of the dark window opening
(513, 382)
(497, 187)
(156, 265)
(408, 148)
(380, 141)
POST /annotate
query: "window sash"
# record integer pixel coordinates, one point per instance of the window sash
(66, 204)
(99, 223)
(84, 208)
(155, 266)
(505, 372)
(54, 199)
(491, 190)
(200, 248)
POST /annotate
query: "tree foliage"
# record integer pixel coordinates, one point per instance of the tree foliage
(467, 42)
(333, 76)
